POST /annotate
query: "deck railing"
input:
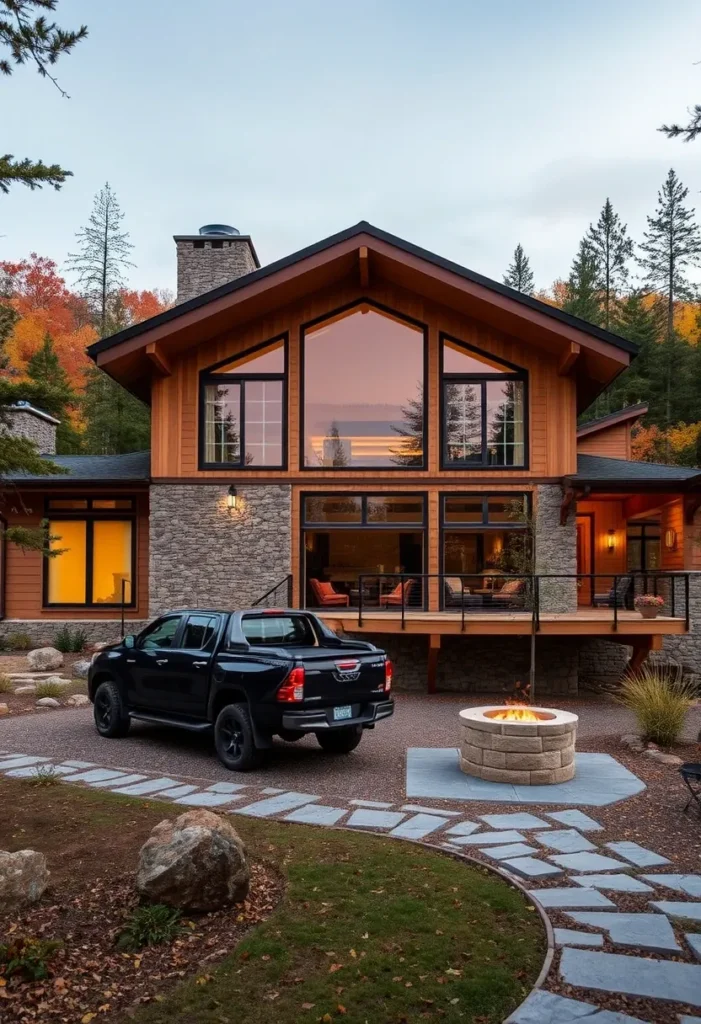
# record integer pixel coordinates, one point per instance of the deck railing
(509, 593)
(279, 595)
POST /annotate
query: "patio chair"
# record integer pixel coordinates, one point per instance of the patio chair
(394, 597)
(326, 596)
(512, 593)
(617, 598)
(691, 774)
(456, 596)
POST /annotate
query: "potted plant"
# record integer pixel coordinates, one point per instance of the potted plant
(648, 605)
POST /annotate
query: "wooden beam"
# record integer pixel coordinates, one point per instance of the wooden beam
(434, 646)
(364, 264)
(158, 360)
(569, 359)
(568, 500)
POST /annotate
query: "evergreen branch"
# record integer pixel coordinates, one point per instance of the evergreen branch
(689, 131)
(33, 175)
(40, 41)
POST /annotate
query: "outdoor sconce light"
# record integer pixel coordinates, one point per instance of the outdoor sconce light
(611, 542)
(670, 539)
(232, 499)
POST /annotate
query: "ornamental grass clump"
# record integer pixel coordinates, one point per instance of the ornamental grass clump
(659, 698)
(48, 689)
(150, 925)
(6, 684)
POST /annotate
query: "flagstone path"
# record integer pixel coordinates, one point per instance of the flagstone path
(557, 844)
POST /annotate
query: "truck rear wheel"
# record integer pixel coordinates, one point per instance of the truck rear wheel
(111, 719)
(233, 739)
(340, 741)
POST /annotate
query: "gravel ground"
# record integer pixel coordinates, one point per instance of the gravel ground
(375, 771)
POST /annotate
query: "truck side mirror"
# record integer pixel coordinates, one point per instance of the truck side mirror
(128, 641)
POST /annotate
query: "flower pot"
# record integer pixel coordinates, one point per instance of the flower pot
(649, 611)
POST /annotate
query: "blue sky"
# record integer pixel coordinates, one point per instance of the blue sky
(464, 127)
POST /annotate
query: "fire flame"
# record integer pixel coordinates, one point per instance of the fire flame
(515, 713)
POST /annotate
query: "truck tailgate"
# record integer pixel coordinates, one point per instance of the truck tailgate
(339, 677)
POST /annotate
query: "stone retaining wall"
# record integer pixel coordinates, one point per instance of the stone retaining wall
(42, 632)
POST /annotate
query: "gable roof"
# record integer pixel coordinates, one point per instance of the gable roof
(612, 419)
(599, 471)
(363, 227)
(134, 467)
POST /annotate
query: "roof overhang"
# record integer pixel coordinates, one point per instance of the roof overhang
(614, 419)
(591, 355)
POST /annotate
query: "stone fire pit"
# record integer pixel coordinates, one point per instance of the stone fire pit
(526, 746)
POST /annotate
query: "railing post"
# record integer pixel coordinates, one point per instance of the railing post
(462, 601)
(687, 620)
(401, 585)
(673, 580)
(615, 604)
(536, 601)
(290, 580)
(360, 600)
(123, 602)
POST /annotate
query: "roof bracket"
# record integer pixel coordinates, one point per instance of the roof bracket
(364, 265)
(158, 360)
(569, 359)
(568, 499)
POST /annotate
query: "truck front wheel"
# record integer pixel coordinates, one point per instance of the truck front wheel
(233, 739)
(340, 741)
(111, 718)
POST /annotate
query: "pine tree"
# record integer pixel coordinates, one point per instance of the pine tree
(519, 275)
(44, 368)
(29, 39)
(115, 421)
(612, 249)
(102, 256)
(582, 296)
(411, 446)
(689, 131)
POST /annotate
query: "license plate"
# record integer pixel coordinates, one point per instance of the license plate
(345, 712)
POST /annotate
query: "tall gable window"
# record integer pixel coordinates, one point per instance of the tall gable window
(364, 391)
(484, 409)
(242, 410)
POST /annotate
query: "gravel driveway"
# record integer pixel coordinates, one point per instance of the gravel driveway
(375, 771)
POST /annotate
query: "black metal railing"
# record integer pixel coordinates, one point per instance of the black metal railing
(280, 594)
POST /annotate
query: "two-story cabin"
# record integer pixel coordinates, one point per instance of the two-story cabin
(372, 431)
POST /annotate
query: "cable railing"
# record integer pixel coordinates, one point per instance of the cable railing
(279, 595)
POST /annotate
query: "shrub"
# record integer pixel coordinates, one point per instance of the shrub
(3, 642)
(62, 640)
(28, 957)
(79, 640)
(659, 698)
(6, 685)
(45, 775)
(19, 641)
(150, 925)
(48, 689)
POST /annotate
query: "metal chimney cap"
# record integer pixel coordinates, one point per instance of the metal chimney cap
(219, 229)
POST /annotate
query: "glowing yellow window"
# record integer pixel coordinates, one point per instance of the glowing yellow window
(67, 570)
(111, 561)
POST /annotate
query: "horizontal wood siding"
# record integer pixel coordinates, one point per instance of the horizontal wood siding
(613, 442)
(552, 419)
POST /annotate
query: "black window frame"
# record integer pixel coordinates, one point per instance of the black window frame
(340, 311)
(208, 377)
(89, 517)
(211, 642)
(363, 522)
(517, 373)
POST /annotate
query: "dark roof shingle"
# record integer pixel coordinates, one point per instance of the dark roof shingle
(597, 469)
(130, 468)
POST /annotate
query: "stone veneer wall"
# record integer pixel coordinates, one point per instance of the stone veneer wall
(555, 550)
(42, 632)
(202, 267)
(481, 664)
(203, 554)
(26, 423)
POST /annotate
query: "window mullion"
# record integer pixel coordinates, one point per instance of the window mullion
(89, 546)
(242, 420)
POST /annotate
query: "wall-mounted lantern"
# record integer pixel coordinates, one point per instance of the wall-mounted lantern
(611, 542)
(670, 539)
(232, 498)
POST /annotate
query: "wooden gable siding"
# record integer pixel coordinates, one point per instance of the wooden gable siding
(24, 570)
(613, 442)
(551, 400)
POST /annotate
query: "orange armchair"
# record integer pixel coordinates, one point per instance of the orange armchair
(394, 597)
(325, 595)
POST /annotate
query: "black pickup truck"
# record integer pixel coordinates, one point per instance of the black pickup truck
(246, 675)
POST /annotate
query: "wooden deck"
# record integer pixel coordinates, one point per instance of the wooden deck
(583, 622)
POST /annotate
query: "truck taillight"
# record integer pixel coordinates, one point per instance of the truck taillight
(292, 690)
(388, 675)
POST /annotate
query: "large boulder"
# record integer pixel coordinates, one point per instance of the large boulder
(81, 669)
(23, 877)
(196, 862)
(45, 659)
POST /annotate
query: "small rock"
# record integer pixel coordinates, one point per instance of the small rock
(4, 710)
(78, 700)
(633, 742)
(196, 862)
(81, 669)
(48, 702)
(670, 759)
(651, 746)
(23, 877)
(29, 688)
(44, 659)
(57, 681)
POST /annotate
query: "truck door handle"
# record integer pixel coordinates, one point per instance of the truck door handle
(199, 664)
(161, 661)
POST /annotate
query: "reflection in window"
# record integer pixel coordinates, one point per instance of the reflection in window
(326, 508)
(266, 360)
(263, 422)
(222, 423)
(363, 391)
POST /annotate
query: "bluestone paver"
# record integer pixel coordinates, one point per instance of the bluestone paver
(576, 819)
(694, 940)
(79, 764)
(365, 817)
(516, 820)
(174, 794)
(316, 814)
(418, 809)
(419, 826)
(143, 788)
(529, 867)
(226, 787)
(680, 909)
(21, 762)
(586, 862)
(462, 828)
(379, 805)
(511, 850)
(564, 840)
(207, 799)
(30, 772)
(644, 931)
(276, 804)
(632, 975)
(486, 838)
(636, 854)
(616, 883)
(542, 1007)
(272, 791)
(686, 1019)
(127, 780)
(565, 898)
(571, 937)
(688, 884)
(96, 775)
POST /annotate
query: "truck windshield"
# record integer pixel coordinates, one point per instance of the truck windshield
(278, 630)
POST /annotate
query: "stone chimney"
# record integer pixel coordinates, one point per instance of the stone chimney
(215, 256)
(23, 420)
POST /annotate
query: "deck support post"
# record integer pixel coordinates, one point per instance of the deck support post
(434, 646)
(641, 650)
